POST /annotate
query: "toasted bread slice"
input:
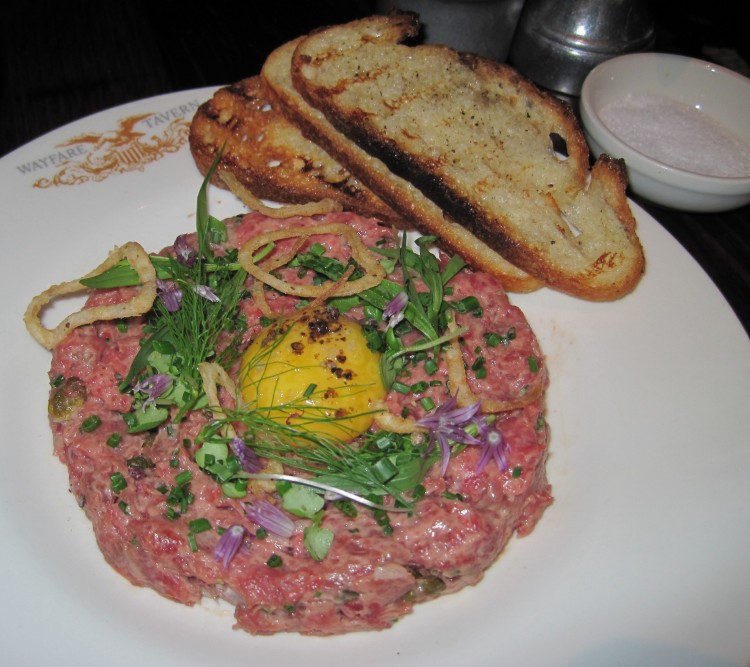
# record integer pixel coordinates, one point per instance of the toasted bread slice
(401, 195)
(269, 156)
(480, 141)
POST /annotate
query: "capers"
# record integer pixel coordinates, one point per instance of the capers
(67, 398)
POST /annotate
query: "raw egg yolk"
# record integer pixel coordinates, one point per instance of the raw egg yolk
(314, 373)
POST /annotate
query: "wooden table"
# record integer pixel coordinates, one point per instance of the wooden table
(72, 59)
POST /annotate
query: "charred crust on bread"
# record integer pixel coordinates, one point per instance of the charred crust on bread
(478, 140)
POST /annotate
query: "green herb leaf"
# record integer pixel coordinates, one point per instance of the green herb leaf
(318, 541)
(302, 501)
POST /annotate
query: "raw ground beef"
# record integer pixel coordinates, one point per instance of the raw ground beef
(368, 579)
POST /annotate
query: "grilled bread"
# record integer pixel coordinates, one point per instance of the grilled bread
(505, 160)
(269, 156)
(401, 195)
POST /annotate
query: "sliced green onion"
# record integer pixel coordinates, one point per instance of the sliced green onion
(91, 423)
(430, 366)
(183, 478)
(274, 561)
(200, 525)
(427, 403)
(466, 305)
(117, 482)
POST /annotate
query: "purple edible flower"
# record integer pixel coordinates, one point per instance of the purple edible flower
(270, 517)
(448, 423)
(207, 293)
(494, 446)
(247, 457)
(184, 253)
(394, 311)
(153, 386)
(170, 294)
(229, 544)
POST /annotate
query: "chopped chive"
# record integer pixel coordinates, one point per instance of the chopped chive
(90, 424)
(430, 366)
(427, 403)
(123, 506)
(200, 525)
(478, 363)
(517, 471)
(419, 387)
(401, 388)
(274, 561)
(494, 339)
(117, 482)
(114, 440)
(57, 380)
(346, 507)
(183, 478)
(533, 364)
(467, 305)
(310, 389)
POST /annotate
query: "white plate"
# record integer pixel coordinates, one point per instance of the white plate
(644, 558)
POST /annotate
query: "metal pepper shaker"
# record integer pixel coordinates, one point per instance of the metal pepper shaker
(558, 42)
(485, 27)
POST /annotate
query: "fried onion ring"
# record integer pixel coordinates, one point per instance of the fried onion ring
(374, 272)
(286, 211)
(140, 304)
(386, 420)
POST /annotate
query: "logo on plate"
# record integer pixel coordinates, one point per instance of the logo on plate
(133, 143)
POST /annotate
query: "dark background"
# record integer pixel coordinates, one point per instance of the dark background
(60, 61)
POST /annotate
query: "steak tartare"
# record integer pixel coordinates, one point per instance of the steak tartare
(196, 491)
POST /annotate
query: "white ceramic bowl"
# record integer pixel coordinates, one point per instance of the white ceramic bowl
(721, 94)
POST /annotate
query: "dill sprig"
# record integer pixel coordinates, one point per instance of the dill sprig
(381, 463)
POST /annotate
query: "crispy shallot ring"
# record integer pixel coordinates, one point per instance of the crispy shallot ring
(286, 211)
(271, 264)
(138, 305)
(386, 420)
(214, 376)
(374, 272)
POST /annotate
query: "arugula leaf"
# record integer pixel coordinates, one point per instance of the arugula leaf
(123, 274)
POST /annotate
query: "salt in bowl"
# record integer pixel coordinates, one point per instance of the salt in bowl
(682, 125)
